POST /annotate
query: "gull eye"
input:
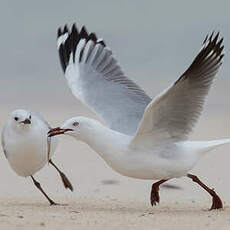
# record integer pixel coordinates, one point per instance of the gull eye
(30, 117)
(16, 118)
(75, 124)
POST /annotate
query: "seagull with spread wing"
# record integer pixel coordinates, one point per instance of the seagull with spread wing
(142, 138)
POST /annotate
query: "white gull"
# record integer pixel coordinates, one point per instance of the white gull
(142, 138)
(24, 142)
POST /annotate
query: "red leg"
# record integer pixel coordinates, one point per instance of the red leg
(154, 196)
(216, 201)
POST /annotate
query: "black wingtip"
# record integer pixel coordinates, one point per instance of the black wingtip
(59, 32)
(216, 38)
(102, 43)
(213, 45)
(210, 38)
(205, 39)
(210, 56)
(219, 42)
(93, 37)
(221, 56)
(83, 33)
(62, 57)
(66, 30)
(74, 29)
(70, 44)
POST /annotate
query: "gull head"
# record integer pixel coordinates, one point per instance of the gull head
(21, 118)
(76, 127)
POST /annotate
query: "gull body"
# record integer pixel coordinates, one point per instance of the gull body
(148, 158)
(25, 145)
(142, 137)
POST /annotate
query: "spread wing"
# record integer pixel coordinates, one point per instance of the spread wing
(95, 78)
(174, 112)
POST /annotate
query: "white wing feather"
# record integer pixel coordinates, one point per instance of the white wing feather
(95, 77)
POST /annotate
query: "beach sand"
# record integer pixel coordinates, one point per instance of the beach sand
(85, 213)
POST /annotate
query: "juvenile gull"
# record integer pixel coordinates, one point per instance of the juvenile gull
(24, 142)
(142, 138)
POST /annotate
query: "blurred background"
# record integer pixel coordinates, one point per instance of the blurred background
(154, 41)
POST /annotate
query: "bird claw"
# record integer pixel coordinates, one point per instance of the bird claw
(52, 203)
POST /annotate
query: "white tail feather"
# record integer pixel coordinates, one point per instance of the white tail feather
(206, 146)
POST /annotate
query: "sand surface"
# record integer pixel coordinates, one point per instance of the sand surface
(85, 213)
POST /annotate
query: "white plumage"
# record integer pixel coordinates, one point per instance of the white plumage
(25, 145)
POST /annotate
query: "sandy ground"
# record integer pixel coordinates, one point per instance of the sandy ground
(85, 213)
(102, 198)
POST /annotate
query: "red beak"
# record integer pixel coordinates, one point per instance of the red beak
(57, 131)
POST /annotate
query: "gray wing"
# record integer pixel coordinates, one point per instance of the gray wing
(40, 117)
(174, 112)
(95, 78)
(3, 139)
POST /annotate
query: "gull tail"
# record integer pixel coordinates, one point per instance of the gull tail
(203, 147)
